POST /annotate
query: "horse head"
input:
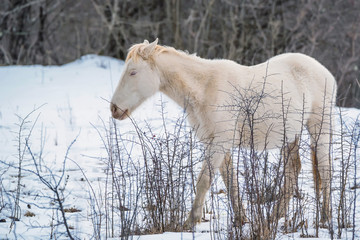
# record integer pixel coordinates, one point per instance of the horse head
(139, 80)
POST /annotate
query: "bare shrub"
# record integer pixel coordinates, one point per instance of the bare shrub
(152, 193)
(149, 179)
(345, 174)
(54, 180)
(116, 204)
(169, 162)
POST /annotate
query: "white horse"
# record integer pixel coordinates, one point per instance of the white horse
(261, 106)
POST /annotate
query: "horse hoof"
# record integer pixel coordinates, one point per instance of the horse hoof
(190, 223)
(324, 225)
(241, 220)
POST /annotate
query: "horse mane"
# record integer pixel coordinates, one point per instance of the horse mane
(134, 52)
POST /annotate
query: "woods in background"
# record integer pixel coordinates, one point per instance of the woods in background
(246, 31)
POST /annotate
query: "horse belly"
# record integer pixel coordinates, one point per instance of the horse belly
(267, 133)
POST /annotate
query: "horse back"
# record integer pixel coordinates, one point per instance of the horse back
(274, 94)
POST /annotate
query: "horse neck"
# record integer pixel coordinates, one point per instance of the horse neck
(184, 78)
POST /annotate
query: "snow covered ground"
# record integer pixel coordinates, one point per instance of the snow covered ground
(68, 103)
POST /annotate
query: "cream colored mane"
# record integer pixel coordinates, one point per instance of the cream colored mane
(135, 52)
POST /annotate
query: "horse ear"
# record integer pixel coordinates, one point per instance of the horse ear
(155, 41)
(146, 41)
(149, 49)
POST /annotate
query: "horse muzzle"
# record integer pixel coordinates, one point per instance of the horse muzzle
(118, 113)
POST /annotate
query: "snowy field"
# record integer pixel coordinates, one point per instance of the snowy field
(60, 113)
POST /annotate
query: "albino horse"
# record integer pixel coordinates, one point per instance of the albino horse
(289, 91)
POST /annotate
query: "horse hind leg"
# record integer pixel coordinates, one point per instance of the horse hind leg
(292, 167)
(321, 173)
(321, 161)
(229, 177)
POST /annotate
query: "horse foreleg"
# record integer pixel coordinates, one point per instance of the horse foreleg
(229, 177)
(202, 187)
(209, 167)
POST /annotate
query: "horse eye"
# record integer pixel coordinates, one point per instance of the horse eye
(132, 73)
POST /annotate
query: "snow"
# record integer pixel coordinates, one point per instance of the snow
(71, 103)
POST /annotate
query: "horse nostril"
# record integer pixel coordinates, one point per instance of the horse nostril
(113, 108)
